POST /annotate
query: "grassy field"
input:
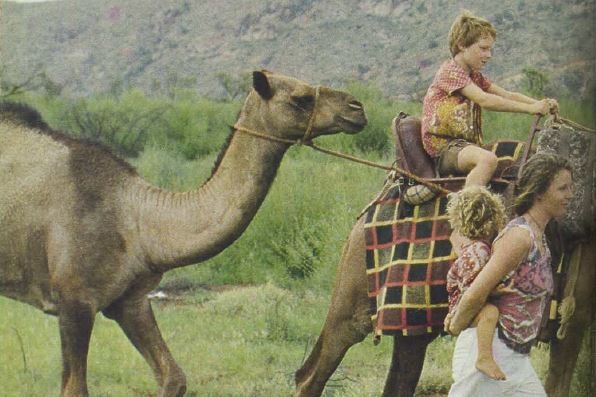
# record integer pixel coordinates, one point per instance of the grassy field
(243, 322)
(241, 342)
(231, 342)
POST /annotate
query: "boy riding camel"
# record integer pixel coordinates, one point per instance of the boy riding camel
(451, 120)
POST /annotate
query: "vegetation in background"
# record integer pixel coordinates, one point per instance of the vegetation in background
(173, 141)
(281, 269)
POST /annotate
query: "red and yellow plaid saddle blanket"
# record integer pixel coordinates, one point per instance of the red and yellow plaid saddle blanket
(408, 255)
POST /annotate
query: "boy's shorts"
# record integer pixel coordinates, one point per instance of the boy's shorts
(447, 160)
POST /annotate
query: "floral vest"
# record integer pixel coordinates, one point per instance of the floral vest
(521, 310)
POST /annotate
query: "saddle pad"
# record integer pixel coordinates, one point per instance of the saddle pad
(408, 255)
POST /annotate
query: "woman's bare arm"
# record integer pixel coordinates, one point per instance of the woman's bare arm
(508, 252)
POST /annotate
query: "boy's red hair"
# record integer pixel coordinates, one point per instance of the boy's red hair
(467, 30)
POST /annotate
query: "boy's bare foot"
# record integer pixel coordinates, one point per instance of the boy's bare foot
(489, 367)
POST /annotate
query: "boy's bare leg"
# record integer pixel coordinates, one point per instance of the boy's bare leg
(486, 323)
(480, 165)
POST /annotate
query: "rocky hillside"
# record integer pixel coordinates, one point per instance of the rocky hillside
(89, 46)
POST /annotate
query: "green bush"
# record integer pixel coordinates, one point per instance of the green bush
(296, 237)
(375, 137)
(130, 121)
(196, 126)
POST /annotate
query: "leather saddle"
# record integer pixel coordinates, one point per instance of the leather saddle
(411, 156)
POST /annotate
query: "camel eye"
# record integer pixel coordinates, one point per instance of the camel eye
(303, 102)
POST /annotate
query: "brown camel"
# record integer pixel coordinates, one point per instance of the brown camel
(348, 319)
(82, 232)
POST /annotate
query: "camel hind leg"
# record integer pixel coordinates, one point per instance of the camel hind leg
(564, 353)
(348, 319)
(134, 314)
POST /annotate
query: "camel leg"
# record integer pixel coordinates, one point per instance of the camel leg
(347, 323)
(75, 320)
(135, 316)
(406, 364)
(564, 353)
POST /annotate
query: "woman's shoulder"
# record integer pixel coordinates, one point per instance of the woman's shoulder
(518, 222)
(516, 233)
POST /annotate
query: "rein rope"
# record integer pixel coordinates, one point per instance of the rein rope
(573, 124)
(306, 140)
(433, 186)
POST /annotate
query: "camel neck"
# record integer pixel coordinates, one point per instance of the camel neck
(186, 228)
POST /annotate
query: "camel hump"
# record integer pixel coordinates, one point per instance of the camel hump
(22, 114)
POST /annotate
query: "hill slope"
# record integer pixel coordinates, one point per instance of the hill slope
(87, 46)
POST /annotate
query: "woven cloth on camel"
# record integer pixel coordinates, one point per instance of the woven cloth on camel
(408, 254)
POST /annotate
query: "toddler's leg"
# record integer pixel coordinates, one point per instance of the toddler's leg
(479, 163)
(486, 323)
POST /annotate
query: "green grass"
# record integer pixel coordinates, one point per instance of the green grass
(249, 339)
(243, 341)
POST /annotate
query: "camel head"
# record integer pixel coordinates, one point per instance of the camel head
(292, 109)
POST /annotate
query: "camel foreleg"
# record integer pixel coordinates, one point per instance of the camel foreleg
(135, 316)
(406, 364)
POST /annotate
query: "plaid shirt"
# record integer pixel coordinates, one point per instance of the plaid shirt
(446, 111)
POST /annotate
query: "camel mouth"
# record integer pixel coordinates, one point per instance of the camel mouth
(352, 125)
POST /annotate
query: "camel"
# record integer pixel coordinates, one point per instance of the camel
(83, 233)
(348, 320)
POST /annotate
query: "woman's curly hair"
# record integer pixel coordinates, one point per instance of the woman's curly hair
(536, 177)
(476, 213)
(467, 30)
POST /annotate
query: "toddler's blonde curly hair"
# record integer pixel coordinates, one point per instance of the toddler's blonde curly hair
(476, 213)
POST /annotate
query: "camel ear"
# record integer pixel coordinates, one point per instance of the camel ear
(261, 85)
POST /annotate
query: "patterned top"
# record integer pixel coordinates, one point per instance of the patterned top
(446, 113)
(464, 270)
(521, 310)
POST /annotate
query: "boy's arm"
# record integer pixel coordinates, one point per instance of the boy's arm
(490, 101)
(514, 96)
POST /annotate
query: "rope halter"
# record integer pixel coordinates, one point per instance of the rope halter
(306, 138)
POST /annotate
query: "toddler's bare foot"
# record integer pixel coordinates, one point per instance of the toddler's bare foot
(489, 367)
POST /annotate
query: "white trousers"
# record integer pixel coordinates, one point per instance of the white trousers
(469, 382)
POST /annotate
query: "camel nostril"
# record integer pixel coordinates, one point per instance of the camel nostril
(355, 105)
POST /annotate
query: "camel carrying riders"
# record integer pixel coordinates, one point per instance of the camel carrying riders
(451, 120)
(479, 215)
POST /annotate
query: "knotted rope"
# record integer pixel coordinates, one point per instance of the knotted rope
(573, 124)
(567, 307)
